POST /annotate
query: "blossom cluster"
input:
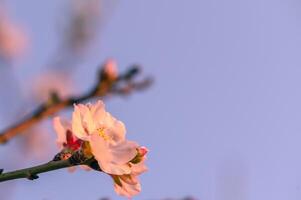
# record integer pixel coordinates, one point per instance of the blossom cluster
(98, 134)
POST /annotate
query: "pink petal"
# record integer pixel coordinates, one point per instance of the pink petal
(139, 168)
(116, 131)
(127, 190)
(77, 124)
(124, 151)
(129, 179)
(112, 159)
(60, 127)
(98, 111)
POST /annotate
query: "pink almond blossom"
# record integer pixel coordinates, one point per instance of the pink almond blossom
(97, 133)
(106, 136)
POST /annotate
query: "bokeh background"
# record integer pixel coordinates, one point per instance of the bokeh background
(222, 120)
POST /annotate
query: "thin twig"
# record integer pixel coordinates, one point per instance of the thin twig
(32, 173)
(104, 86)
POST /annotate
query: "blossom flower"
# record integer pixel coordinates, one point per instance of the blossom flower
(99, 135)
(106, 136)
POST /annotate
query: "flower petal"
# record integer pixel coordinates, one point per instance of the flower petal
(98, 113)
(129, 179)
(117, 131)
(78, 128)
(139, 168)
(86, 117)
(61, 126)
(112, 159)
(124, 151)
(127, 190)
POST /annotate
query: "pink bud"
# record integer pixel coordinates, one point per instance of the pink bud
(142, 151)
(110, 69)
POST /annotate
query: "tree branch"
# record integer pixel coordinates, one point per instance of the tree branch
(123, 85)
(32, 173)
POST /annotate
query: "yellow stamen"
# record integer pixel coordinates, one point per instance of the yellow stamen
(101, 132)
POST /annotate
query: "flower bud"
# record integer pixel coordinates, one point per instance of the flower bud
(109, 71)
(142, 151)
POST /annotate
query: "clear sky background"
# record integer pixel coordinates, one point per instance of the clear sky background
(222, 120)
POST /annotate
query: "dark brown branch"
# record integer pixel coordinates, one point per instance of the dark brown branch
(122, 85)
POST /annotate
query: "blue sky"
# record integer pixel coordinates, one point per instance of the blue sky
(222, 120)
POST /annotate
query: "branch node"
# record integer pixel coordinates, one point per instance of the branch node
(32, 176)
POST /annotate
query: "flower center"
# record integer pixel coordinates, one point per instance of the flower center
(102, 133)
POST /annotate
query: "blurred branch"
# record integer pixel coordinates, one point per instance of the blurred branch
(106, 85)
(32, 173)
(80, 25)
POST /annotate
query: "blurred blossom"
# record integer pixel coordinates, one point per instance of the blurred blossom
(13, 40)
(52, 82)
(35, 143)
